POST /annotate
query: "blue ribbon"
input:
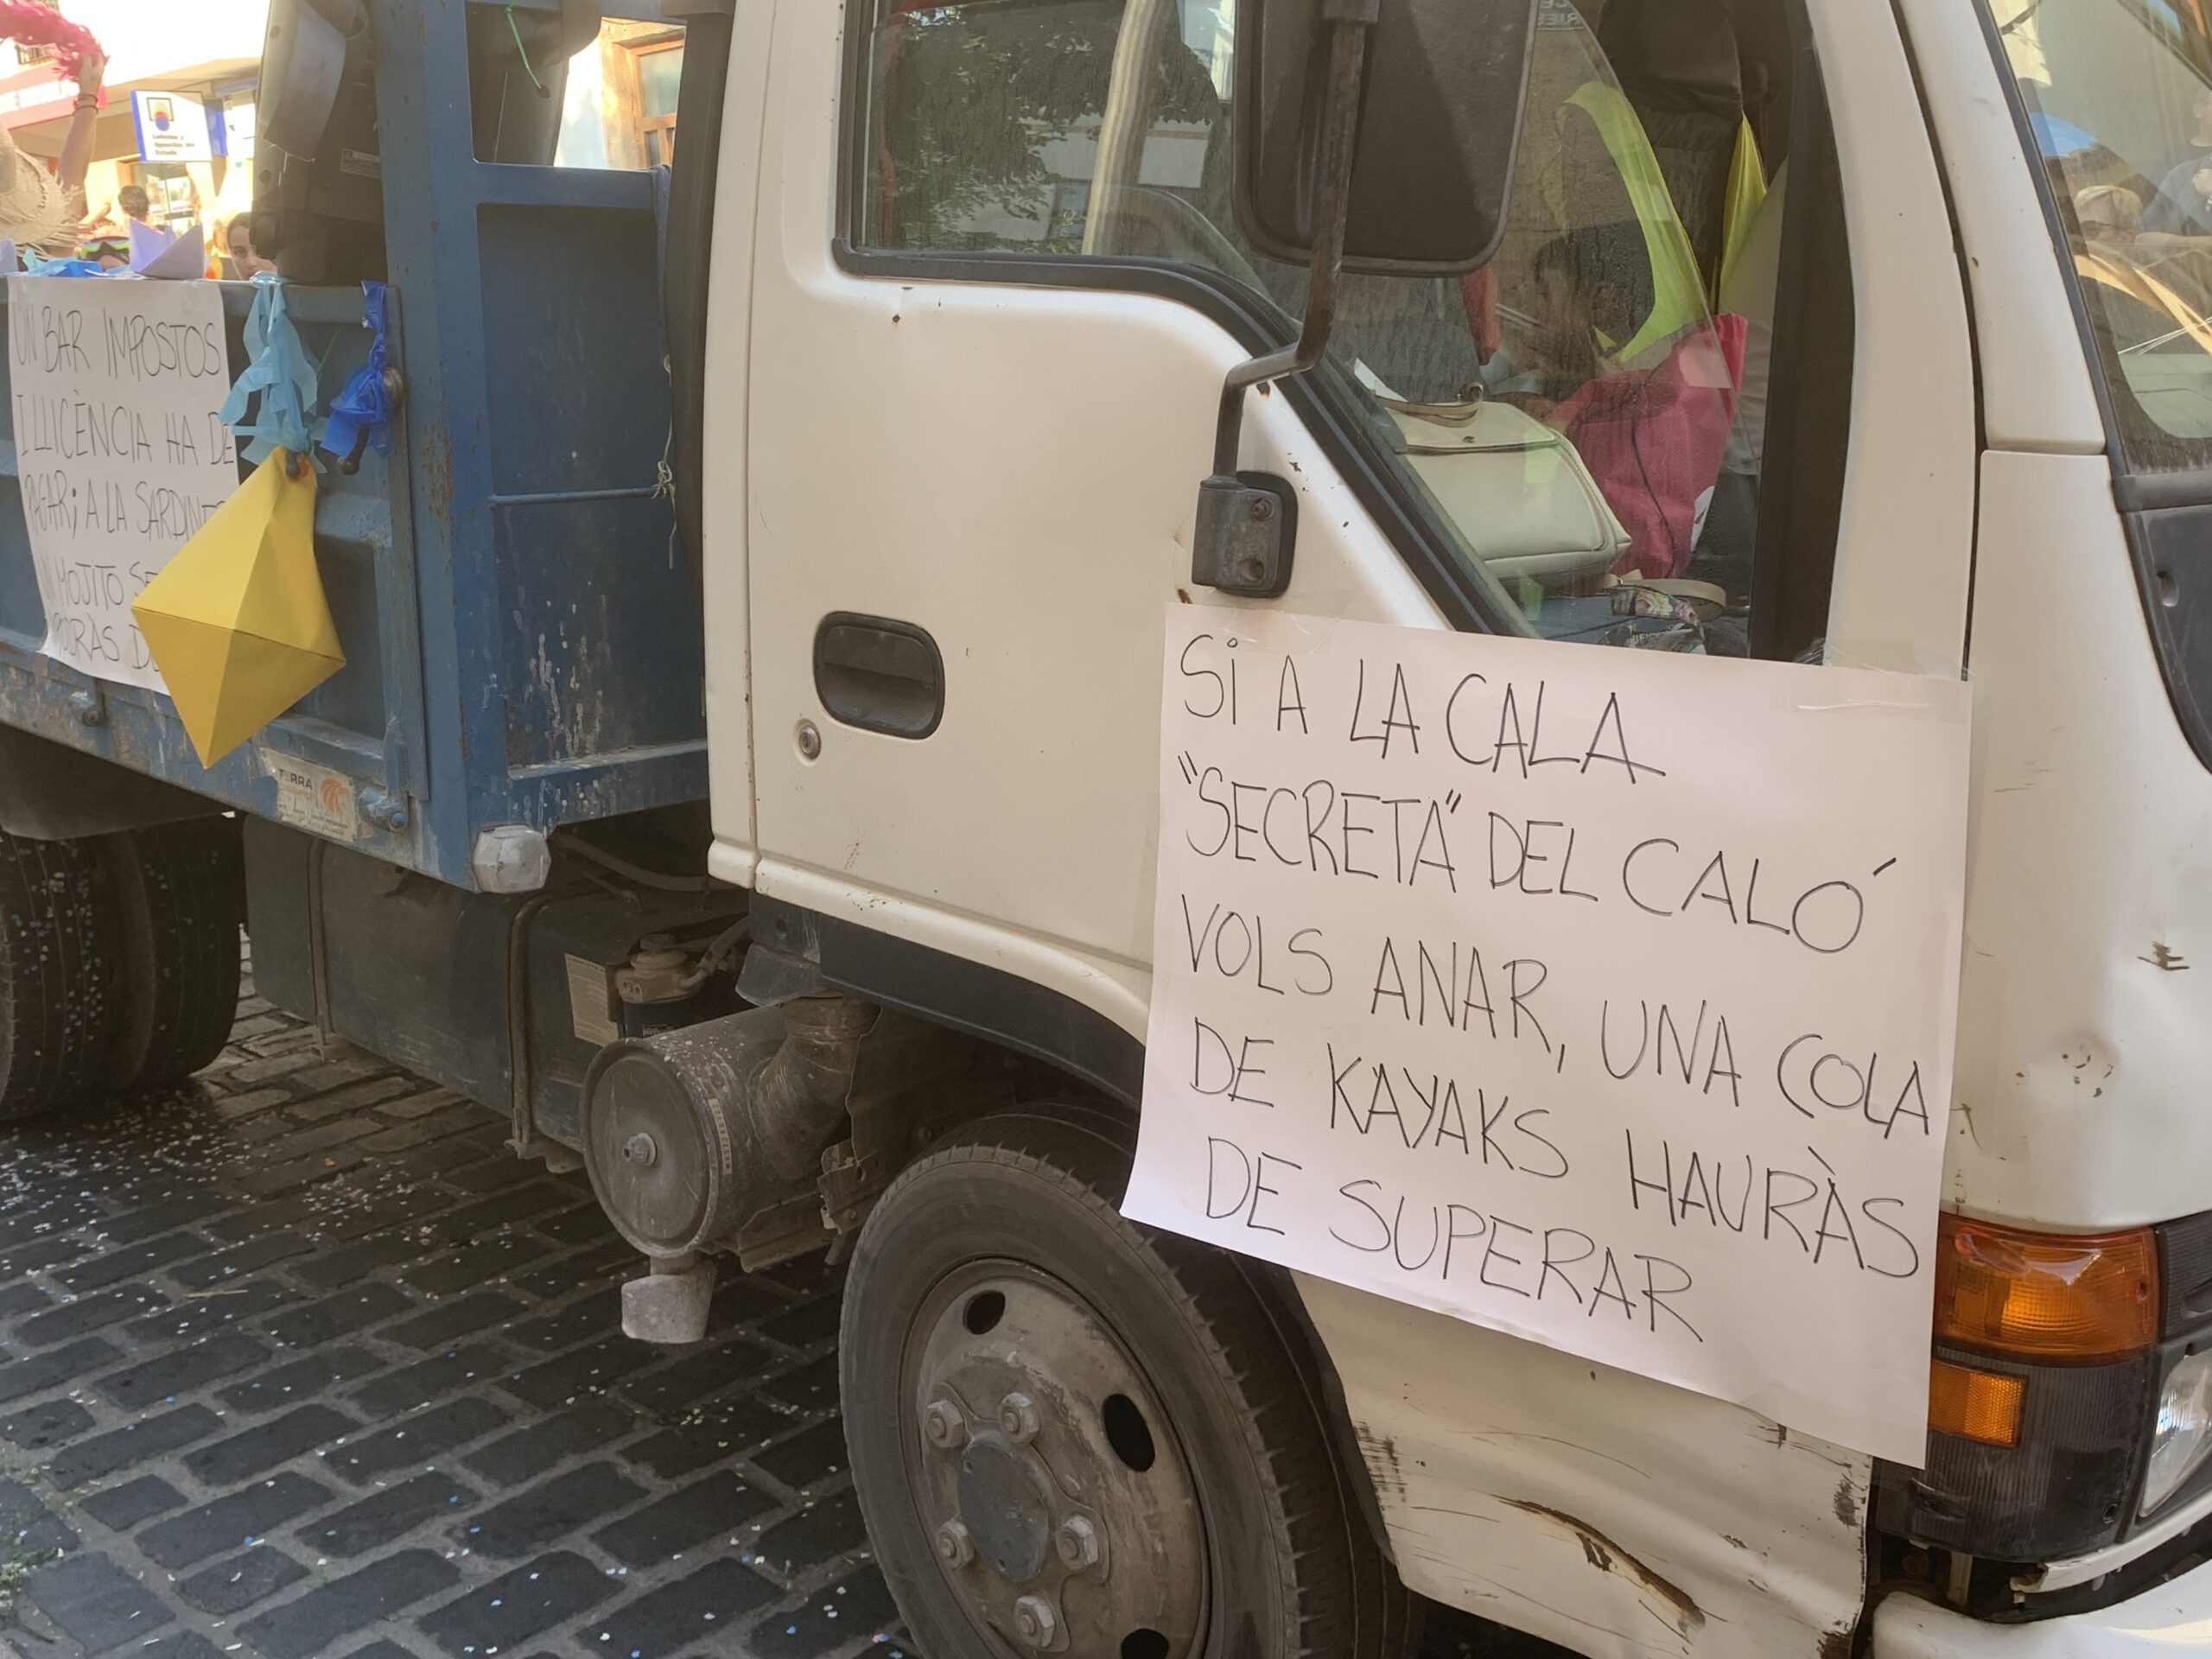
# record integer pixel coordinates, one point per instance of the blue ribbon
(37, 265)
(279, 369)
(361, 405)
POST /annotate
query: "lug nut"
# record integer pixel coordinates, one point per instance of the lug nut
(1034, 1621)
(943, 1426)
(1077, 1543)
(954, 1546)
(641, 1149)
(1017, 1418)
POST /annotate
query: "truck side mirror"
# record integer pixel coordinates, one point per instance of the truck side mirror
(1375, 136)
(302, 61)
(1439, 123)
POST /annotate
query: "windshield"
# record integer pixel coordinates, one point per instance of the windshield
(1570, 412)
(2117, 95)
(1583, 418)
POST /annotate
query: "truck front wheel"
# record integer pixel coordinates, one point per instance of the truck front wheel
(1071, 1434)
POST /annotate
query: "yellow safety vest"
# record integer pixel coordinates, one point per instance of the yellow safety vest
(1746, 195)
(1679, 295)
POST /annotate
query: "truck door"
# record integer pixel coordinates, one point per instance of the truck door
(992, 479)
(999, 280)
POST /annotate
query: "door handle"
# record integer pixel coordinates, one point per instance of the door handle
(879, 675)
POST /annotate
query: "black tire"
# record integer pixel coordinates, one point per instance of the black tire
(1294, 1571)
(56, 975)
(174, 898)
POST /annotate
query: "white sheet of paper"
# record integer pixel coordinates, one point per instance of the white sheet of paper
(177, 259)
(121, 454)
(146, 240)
(1602, 997)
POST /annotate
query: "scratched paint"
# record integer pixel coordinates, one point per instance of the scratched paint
(1607, 1556)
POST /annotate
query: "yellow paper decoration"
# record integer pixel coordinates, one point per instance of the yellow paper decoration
(238, 621)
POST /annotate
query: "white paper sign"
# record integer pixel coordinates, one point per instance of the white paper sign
(171, 127)
(1601, 997)
(121, 454)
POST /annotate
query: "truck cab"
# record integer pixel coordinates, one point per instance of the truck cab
(749, 779)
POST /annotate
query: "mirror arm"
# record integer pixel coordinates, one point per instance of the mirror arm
(1349, 21)
(1246, 523)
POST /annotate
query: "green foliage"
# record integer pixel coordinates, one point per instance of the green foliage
(969, 95)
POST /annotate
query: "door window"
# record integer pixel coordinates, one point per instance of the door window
(659, 71)
(2117, 95)
(1584, 418)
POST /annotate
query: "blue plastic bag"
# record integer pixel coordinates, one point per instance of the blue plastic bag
(37, 265)
(362, 405)
(278, 368)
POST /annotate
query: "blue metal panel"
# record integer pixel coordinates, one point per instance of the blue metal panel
(523, 639)
(369, 714)
(22, 613)
(536, 359)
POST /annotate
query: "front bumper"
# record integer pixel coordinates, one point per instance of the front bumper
(2169, 1619)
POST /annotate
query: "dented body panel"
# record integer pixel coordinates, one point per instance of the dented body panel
(2085, 1010)
(1605, 1511)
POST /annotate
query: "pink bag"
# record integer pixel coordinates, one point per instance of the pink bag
(1653, 440)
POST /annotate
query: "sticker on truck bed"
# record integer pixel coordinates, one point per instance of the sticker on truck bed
(120, 451)
(312, 798)
(1601, 997)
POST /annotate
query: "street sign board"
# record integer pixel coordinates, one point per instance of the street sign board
(172, 127)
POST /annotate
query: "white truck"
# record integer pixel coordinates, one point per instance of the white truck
(1794, 329)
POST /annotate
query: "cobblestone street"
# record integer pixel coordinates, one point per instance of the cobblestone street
(300, 1361)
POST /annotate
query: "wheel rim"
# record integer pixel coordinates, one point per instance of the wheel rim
(1045, 1474)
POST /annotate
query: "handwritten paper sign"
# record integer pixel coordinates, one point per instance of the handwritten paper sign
(121, 455)
(1601, 997)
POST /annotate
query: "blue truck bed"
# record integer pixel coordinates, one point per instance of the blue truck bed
(522, 632)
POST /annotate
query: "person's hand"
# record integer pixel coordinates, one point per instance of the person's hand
(91, 73)
(2202, 181)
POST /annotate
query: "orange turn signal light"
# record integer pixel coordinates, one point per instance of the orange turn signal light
(1980, 1405)
(2061, 1296)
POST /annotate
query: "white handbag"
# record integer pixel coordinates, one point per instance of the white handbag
(1516, 490)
